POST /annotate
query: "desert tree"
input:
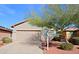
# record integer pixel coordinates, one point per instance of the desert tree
(58, 16)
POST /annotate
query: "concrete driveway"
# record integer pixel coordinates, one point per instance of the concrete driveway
(20, 48)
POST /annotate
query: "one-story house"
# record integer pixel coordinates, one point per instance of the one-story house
(5, 32)
(71, 31)
(25, 32)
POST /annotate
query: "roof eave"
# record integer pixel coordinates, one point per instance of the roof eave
(19, 23)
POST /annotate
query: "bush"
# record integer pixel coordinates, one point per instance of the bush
(66, 46)
(75, 40)
(7, 40)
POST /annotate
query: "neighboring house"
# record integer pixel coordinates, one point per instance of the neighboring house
(71, 31)
(25, 32)
(5, 32)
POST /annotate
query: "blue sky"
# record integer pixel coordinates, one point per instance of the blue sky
(12, 13)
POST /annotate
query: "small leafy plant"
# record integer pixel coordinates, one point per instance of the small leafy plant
(75, 40)
(66, 46)
(7, 40)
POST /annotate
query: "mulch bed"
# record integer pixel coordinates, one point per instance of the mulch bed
(54, 49)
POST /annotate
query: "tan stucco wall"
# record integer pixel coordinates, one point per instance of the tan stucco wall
(4, 34)
(26, 33)
(68, 35)
(26, 26)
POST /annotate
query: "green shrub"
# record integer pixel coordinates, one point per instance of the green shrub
(7, 40)
(75, 40)
(66, 46)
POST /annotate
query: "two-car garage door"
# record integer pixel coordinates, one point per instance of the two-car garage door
(27, 36)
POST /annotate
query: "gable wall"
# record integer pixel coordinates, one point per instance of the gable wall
(26, 26)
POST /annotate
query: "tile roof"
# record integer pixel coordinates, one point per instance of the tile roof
(71, 27)
(21, 22)
(6, 29)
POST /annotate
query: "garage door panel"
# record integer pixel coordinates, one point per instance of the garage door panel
(30, 37)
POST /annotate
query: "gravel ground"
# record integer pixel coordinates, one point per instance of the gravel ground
(55, 50)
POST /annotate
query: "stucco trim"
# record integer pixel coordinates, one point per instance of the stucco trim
(28, 30)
